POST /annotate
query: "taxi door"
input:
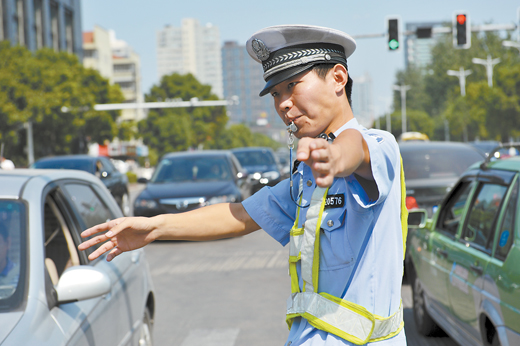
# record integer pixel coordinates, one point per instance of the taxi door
(471, 254)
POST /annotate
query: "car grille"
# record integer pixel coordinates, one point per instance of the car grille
(178, 205)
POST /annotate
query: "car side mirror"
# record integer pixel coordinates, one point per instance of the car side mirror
(80, 283)
(105, 174)
(417, 218)
(142, 181)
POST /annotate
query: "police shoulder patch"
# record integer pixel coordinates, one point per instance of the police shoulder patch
(377, 137)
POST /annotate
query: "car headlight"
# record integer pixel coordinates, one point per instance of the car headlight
(256, 176)
(221, 199)
(145, 203)
(272, 175)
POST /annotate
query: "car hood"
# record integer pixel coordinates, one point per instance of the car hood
(8, 320)
(260, 168)
(188, 189)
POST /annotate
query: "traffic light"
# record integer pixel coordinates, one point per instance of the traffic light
(461, 30)
(393, 33)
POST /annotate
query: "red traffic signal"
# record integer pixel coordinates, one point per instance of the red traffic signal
(461, 31)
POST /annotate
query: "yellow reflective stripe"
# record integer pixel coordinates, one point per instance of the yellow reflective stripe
(316, 322)
(360, 310)
(295, 287)
(404, 210)
(316, 259)
(391, 335)
(296, 231)
(294, 259)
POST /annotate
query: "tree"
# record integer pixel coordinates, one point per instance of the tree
(177, 129)
(36, 87)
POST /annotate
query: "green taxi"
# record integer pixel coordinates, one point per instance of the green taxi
(465, 271)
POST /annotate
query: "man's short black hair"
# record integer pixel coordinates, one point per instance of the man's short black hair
(322, 70)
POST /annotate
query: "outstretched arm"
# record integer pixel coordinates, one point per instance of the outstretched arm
(346, 155)
(125, 234)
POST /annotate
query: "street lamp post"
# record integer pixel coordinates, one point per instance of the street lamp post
(462, 74)
(403, 89)
(489, 63)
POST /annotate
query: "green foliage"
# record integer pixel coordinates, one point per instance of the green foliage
(176, 129)
(35, 87)
(435, 97)
(240, 135)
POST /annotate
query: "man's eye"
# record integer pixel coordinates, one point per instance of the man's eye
(290, 85)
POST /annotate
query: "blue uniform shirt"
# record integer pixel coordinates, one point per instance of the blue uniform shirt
(355, 228)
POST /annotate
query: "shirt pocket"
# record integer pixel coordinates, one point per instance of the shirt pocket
(336, 251)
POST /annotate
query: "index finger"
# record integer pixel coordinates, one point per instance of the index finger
(96, 229)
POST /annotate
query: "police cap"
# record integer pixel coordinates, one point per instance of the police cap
(286, 50)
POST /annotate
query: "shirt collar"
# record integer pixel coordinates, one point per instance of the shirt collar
(351, 124)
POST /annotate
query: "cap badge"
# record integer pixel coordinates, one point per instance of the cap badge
(260, 49)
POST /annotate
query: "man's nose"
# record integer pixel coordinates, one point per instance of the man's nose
(285, 105)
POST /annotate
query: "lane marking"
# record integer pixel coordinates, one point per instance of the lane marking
(211, 337)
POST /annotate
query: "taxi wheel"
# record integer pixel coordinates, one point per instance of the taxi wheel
(423, 321)
(145, 335)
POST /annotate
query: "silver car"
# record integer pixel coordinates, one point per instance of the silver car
(50, 293)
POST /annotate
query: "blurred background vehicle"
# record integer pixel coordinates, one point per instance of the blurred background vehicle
(485, 146)
(189, 180)
(413, 136)
(51, 293)
(431, 168)
(100, 166)
(261, 165)
(465, 262)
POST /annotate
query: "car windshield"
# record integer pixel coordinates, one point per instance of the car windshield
(12, 254)
(435, 163)
(200, 168)
(82, 165)
(255, 158)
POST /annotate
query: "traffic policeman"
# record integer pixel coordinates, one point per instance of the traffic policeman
(341, 212)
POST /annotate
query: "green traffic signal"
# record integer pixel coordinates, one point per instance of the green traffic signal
(393, 44)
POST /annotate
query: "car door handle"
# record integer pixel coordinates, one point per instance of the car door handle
(477, 269)
(442, 253)
(136, 255)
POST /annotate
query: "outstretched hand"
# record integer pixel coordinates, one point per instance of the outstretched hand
(121, 235)
(317, 154)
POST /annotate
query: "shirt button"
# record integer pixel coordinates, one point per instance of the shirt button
(330, 223)
(309, 182)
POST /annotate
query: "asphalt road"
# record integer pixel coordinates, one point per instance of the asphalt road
(231, 292)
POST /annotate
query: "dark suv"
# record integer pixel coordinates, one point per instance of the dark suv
(261, 165)
(100, 166)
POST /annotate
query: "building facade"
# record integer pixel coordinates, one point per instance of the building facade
(116, 61)
(362, 100)
(192, 48)
(42, 23)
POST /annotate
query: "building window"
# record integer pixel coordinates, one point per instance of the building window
(124, 68)
(19, 22)
(55, 26)
(126, 85)
(38, 23)
(90, 53)
(69, 31)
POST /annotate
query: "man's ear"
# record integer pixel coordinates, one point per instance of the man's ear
(340, 75)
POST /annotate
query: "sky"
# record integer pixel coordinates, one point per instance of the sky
(137, 22)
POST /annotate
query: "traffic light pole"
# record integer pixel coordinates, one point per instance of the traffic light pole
(489, 63)
(403, 89)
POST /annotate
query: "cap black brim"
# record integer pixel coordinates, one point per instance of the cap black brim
(284, 75)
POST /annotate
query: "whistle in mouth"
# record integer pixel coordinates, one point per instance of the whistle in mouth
(292, 128)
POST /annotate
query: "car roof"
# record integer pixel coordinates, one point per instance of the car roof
(197, 153)
(251, 149)
(13, 181)
(80, 157)
(508, 164)
(440, 145)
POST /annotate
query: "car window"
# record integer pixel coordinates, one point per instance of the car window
(192, 169)
(107, 165)
(60, 249)
(506, 234)
(451, 214)
(91, 208)
(482, 215)
(435, 163)
(254, 158)
(13, 255)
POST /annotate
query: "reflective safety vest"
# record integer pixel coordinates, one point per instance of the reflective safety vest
(342, 318)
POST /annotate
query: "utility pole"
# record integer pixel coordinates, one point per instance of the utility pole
(462, 74)
(30, 146)
(515, 44)
(489, 63)
(403, 89)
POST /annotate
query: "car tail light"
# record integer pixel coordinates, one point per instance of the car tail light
(411, 203)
